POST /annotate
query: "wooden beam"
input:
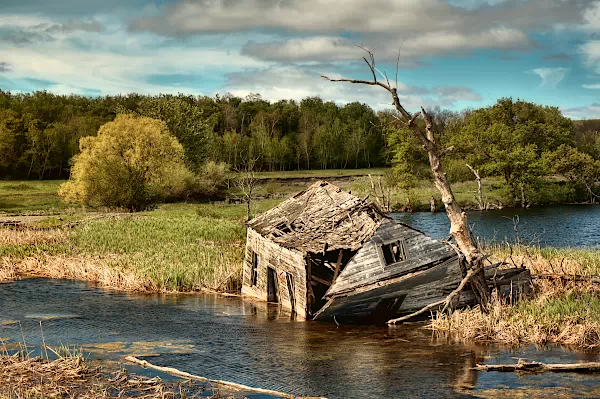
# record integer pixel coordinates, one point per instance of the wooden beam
(320, 280)
(338, 265)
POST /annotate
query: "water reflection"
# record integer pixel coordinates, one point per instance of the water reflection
(257, 344)
(559, 226)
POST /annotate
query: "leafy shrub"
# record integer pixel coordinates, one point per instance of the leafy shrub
(457, 170)
(133, 163)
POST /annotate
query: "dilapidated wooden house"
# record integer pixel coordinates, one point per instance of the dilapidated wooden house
(326, 253)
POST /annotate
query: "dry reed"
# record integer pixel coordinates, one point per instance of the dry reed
(93, 269)
(559, 312)
(71, 376)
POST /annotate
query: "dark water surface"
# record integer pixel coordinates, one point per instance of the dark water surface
(555, 226)
(257, 345)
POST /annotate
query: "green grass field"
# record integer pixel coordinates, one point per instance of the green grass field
(31, 195)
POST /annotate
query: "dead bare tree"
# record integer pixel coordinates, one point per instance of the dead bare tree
(482, 206)
(246, 182)
(458, 219)
(381, 194)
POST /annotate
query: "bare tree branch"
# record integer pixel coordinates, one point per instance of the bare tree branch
(458, 219)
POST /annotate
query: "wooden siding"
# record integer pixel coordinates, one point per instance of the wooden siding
(414, 291)
(282, 260)
(368, 266)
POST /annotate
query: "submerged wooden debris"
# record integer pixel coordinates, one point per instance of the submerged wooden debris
(326, 254)
(225, 384)
(536, 367)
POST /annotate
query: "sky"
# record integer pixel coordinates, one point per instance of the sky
(454, 54)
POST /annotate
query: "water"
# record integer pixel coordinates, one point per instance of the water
(257, 345)
(556, 226)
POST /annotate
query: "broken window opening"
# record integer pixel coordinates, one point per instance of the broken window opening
(394, 252)
(254, 270)
(321, 273)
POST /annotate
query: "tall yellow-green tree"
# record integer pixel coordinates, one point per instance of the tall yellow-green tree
(133, 163)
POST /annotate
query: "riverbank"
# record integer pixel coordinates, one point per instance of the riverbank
(200, 247)
(176, 248)
(41, 197)
(564, 307)
(70, 375)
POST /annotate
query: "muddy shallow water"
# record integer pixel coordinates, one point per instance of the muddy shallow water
(256, 344)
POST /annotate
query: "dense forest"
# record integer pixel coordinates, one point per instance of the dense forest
(516, 140)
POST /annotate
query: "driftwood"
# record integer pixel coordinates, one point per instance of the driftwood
(226, 384)
(535, 367)
(444, 302)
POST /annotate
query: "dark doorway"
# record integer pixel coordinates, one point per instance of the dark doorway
(272, 285)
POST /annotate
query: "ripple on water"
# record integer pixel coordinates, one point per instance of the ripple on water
(262, 347)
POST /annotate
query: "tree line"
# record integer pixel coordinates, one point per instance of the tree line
(519, 141)
(40, 131)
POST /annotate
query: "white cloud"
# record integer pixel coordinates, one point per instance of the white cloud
(328, 48)
(591, 53)
(585, 112)
(550, 76)
(592, 18)
(366, 16)
(82, 58)
(593, 86)
(424, 27)
(285, 82)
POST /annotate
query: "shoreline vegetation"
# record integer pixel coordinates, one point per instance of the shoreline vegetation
(193, 247)
(68, 374)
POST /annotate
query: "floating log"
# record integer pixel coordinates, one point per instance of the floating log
(536, 367)
(227, 384)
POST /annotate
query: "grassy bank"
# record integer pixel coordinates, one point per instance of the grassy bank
(177, 247)
(34, 196)
(559, 311)
(41, 197)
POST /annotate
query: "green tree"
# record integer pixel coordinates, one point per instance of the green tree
(576, 166)
(132, 163)
(508, 139)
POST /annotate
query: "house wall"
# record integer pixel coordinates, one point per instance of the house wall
(282, 260)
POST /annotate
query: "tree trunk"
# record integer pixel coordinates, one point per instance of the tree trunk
(480, 202)
(458, 219)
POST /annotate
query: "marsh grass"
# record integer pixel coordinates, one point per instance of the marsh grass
(39, 196)
(172, 248)
(559, 312)
(70, 375)
(177, 250)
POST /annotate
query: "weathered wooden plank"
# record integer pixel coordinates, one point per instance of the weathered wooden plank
(362, 304)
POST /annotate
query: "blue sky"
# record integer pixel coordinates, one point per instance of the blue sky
(453, 54)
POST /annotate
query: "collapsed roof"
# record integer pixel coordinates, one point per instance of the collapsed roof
(321, 218)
